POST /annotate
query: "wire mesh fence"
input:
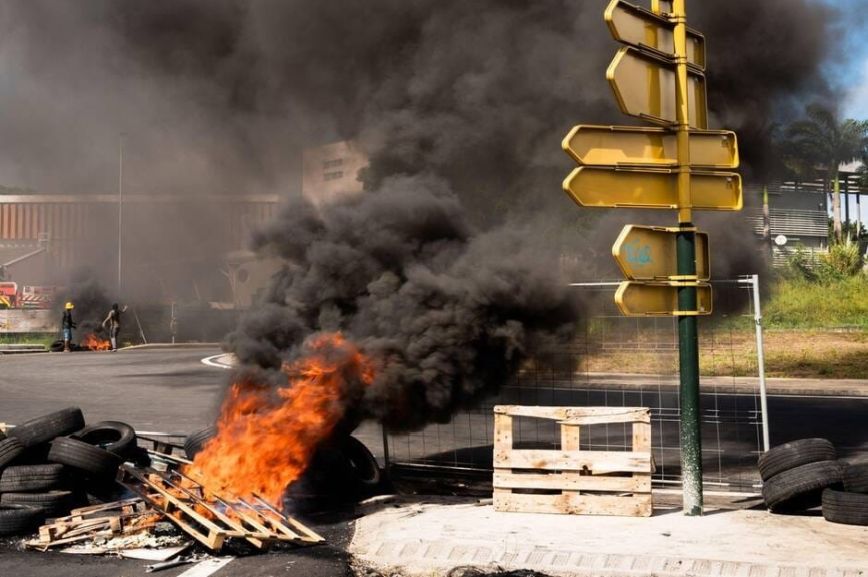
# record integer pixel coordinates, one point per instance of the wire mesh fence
(624, 361)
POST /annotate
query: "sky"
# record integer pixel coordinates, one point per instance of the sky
(852, 70)
(851, 73)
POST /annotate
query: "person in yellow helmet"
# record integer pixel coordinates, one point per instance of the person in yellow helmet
(67, 324)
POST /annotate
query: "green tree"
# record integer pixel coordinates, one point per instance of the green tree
(822, 141)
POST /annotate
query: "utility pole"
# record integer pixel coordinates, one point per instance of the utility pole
(120, 211)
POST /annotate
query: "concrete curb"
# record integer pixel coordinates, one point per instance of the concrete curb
(172, 346)
(15, 349)
(776, 386)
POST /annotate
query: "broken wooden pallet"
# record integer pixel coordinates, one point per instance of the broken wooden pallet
(106, 520)
(213, 519)
(571, 480)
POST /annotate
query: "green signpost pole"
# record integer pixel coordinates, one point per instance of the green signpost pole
(688, 339)
(688, 363)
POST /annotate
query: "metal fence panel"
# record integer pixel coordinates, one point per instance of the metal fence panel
(619, 361)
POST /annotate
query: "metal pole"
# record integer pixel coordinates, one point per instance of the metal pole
(760, 358)
(688, 339)
(120, 209)
(386, 460)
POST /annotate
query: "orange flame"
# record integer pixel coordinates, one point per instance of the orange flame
(265, 438)
(95, 343)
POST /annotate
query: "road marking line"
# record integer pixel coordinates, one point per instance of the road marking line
(214, 361)
(207, 567)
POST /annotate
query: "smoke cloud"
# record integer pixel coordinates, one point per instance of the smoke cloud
(447, 312)
(447, 267)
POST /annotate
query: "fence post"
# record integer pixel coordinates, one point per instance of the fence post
(760, 358)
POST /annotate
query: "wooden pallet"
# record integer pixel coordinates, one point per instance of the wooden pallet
(214, 519)
(570, 480)
(107, 520)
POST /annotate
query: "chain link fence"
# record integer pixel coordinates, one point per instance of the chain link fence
(623, 361)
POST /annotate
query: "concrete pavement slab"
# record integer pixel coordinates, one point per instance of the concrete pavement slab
(430, 538)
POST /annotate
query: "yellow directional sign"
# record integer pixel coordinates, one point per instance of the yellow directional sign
(642, 28)
(659, 299)
(641, 146)
(648, 253)
(644, 86)
(637, 188)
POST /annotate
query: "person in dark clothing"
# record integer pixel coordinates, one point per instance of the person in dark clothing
(112, 323)
(67, 324)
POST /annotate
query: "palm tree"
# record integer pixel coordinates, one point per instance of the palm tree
(820, 140)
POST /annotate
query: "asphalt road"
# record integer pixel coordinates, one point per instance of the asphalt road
(165, 389)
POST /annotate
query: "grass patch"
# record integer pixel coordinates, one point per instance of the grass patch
(800, 304)
(732, 352)
(28, 338)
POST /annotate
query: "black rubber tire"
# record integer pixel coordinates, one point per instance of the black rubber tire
(139, 457)
(801, 488)
(845, 508)
(31, 478)
(113, 436)
(19, 519)
(794, 454)
(195, 441)
(94, 462)
(9, 449)
(52, 503)
(47, 427)
(362, 463)
(855, 477)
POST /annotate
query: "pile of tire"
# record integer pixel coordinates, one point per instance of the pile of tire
(807, 473)
(53, 463)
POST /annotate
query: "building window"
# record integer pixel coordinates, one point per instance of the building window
(333, 175)
(332, 163)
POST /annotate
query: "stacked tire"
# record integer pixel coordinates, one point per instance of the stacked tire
(850, 505)
(803, 474)
(49, 464)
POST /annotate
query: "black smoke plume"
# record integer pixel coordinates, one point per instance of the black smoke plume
(445, 311)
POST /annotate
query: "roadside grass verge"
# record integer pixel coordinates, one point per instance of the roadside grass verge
(799, 304)
(732, 352)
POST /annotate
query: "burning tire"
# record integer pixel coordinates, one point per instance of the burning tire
(9, 449)
(95, 462)
(801, 488)
(845, 508)
(362, 463)
(113, 436)
(794, 454)
(31, 478)
(196, 441)
(856, 477)
(52, 503)
(17, 519)
(47, 427)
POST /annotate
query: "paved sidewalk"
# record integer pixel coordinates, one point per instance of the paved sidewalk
(430, 538)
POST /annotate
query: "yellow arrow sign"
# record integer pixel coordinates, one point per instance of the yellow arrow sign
(648, 253)
(659, 299)
(635, 188)
(642, 28)
(644, 86)
(637, 146)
